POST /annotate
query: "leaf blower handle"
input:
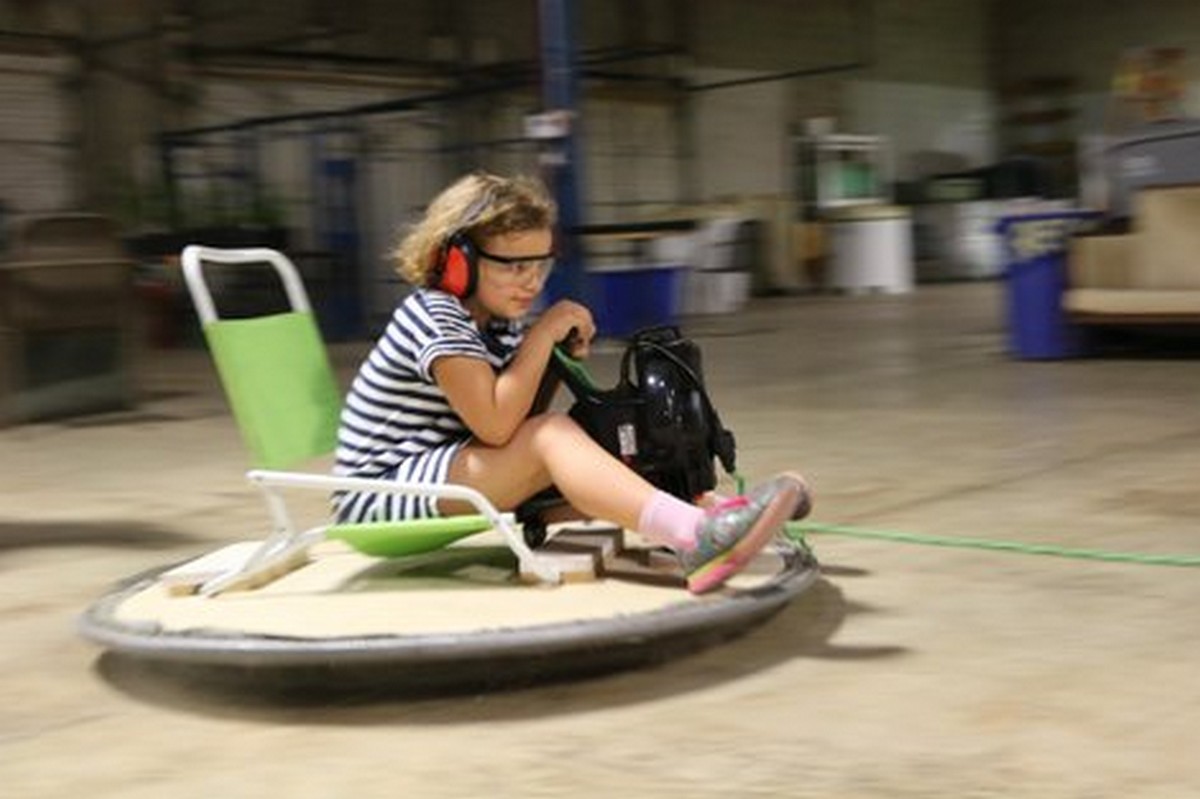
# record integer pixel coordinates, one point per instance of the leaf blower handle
(569, 369)
(555, 372)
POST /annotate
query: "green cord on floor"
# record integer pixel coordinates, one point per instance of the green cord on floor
(797, 530)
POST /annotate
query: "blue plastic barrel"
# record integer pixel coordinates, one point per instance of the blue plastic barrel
(625, 300)
(1035, 250)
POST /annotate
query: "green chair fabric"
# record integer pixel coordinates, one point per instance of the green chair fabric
(280, 386)
(413, 537)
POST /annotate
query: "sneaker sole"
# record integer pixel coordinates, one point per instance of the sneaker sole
(718, 570)
(804, 504)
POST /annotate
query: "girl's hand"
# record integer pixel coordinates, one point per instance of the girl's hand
(567, 322)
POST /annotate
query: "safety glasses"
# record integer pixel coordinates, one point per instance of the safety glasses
(518, 267)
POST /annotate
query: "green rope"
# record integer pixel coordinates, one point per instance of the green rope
(797, 530)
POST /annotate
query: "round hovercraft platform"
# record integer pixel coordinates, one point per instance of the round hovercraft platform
(452, 619)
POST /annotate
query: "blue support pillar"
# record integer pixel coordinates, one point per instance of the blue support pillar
(560, 158)
(335, 153)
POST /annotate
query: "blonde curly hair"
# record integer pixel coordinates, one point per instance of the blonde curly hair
(480, 205)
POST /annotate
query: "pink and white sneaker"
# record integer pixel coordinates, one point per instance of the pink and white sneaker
(734, 530)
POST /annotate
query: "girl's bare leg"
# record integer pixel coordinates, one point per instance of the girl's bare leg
(551, 449)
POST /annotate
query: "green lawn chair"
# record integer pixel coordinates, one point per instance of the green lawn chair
(284, 396)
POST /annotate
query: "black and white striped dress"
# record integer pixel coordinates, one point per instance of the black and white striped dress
(396, 423)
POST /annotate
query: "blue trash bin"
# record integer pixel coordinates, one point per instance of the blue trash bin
(1035, 251)
(625, 300)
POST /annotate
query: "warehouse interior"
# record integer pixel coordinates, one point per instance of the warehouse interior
(938, 255)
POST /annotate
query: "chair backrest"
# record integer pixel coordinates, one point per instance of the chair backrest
(274, 368)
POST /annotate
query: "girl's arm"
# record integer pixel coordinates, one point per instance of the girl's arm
(493, 406)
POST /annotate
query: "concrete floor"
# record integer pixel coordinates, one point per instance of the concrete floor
(909, 671)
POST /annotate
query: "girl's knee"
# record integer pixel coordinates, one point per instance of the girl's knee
(552, 428)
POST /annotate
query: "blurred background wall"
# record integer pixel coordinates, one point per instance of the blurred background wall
(333, 122)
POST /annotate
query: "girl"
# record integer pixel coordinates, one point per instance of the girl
(445, 396)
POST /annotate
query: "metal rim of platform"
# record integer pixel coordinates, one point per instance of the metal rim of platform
(722, 616)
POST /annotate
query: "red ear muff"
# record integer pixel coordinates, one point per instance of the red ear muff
(458, 268)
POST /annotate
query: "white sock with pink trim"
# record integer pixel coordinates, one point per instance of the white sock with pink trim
(669, 521)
